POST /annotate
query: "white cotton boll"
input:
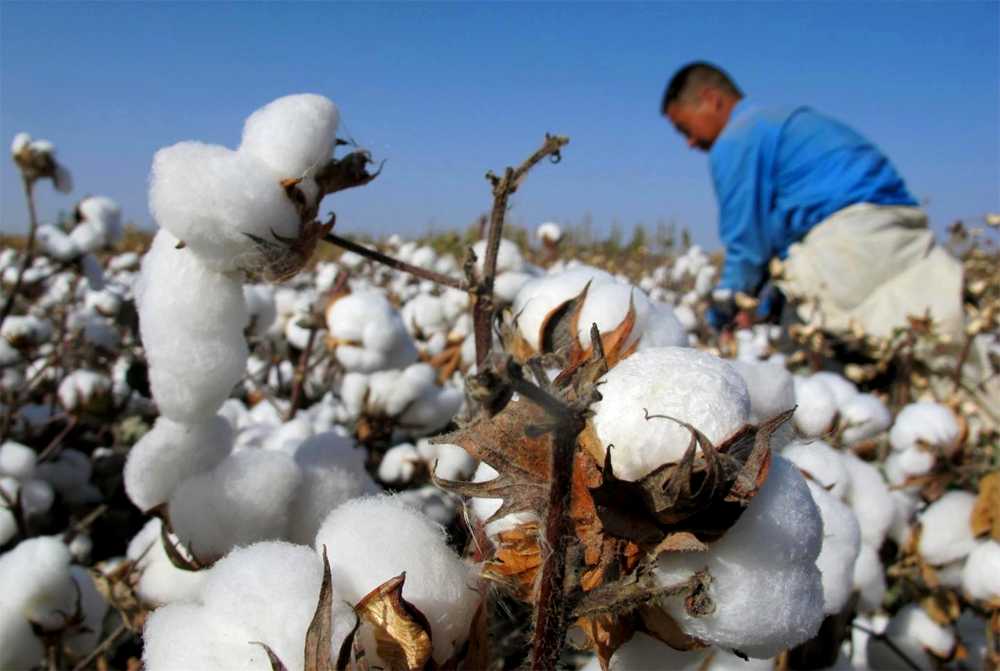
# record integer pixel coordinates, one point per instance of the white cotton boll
(483, 508)
(509, 258)
(431, 411)
(297, 335)
(843, 390)
(916, 634)
(430, 501)
(822, 463)
(92, 607)
(17, 460)
(20, 142)
(81, 387)
(80, 547)
(550, 231)
(93, 271)
(863, 417)
(104, 215)
(169, 454)
(904, 507)
(869, 579)
(771, 389)
(242, 500)
(371, 332)
(371, 540)
(54, 242)
(188, 636)
(909, 463)
(424, 256)
(507, 285)
(538, 297)
(764, 564)
(87, 238)
(353, 391)
(817, 406)
(424, 315)
(333, 471)
(26, 330)
(662, 328)
(19, 647)
(947, 533)
(160, 581)
(293, 134)
(687, 317)
(704, 281)
(261, 307)
(290, 435)
(212, 198)
(448, 461)
(841, 545)
(399, 464)
(37, 497)
(981, 573)
(685, 384)
(870, 499)
(36, 580)
(607, 306)
(932, 424)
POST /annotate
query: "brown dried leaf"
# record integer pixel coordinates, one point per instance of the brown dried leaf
(517, 559)
(986, 513)
(942, 606)
(320, 633)
(276, 663)
(658, 624)
(680, 541)
(606, 634)
(606, 350)
(560, 326)
(402, 632)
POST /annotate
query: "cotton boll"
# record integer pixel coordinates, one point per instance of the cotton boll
(550, 231)
(981, 574)
(484, 508)
(643, 653)
(507, 285)
(374, 539)
(370, 333)
(54, 242)
(104, 216)
(288, 436)
(682, 383)
(431, 411)
(538, 297)
(904, 508)
(80, 547)
(293, 134)
(843, 390)
(19, 647)
(822, 463)
(17, 460)
(771, 389)
(8, 525)
(82, 388)
(862, 417)
(37, 497)
(169, 454)
(448, 461)
(869, 579)
(26, 330)
(160, 582)
(817, 406)
(764, 564)
(916, 634)
(36, 580)
(92, 607)
(188, 636)
(841, 545)
(946, 532)
(509, 257)
(261, 307)
(430, 501)
(663, 328)
(870, 499)
(213, 199)
(932, 424)
(607, 305)
(242, 500)
(424, 315)
(399, 464)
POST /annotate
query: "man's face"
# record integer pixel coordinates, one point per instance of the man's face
(700, 121)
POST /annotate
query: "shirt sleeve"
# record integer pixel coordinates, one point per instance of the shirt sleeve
(739, 172)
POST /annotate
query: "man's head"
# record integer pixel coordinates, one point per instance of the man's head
(698, 101)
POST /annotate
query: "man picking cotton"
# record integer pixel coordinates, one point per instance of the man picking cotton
(802, 187)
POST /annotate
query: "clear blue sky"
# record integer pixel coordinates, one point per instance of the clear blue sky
(445, 92)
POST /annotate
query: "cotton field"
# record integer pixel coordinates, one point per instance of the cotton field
(239, 445)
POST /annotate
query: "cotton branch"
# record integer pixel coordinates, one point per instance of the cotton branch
(385, 259)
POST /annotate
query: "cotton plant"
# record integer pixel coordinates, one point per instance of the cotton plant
(367, 334)
(924, 436)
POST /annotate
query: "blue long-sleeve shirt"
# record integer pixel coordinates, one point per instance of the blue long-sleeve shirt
(780, 171)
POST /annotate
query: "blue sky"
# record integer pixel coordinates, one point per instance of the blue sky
(445, 92)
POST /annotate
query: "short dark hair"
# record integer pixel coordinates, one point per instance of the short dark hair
(692, 78)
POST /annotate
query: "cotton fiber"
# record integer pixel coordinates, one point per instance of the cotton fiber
(537, 298)
(869, 579)
(946, 533)
(369, 333)
(870, 499)
(17, 460)
(932, 424)
(916, 634)
(292, 135)
(682, 383)
(841, 545)
(981, 574)
(160, 582)
(37, 582)
(817, 406)
(862, 417)
(771, 389)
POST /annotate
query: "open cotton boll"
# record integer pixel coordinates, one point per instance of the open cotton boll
(17, 460)
(771, 389)
(399, 464)
(662, 329)
(293, 134)
(242, 500)
(538, 297)
(683, 383)
(869, 579)
(765, 563)
(333, 471)
(932, 424)
(160, 581)
(103, 215)
(822, 463)
(484, 508)
(843, 390)
(54, 242)
(644, 653)
(817, 406)
(261, 308)
(870, 499)
(862, 417)
(550, 231)
(841, 545)
(429, 500)
(915, 634)
(371, 540)
(19, 647)
(36, 581)
(81, 388)
(425, 315)
(448, 461)
(213, 198)
(981, 574)
(509, 258)
(26, 330)
(946, 533)
(370, 333)
(507, 285)
(169, 454)
(607, 305)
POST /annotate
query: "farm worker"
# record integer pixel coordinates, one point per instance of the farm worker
(802, 187)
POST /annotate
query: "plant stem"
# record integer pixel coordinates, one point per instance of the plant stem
(300, 375)
(29, 250)
(385, 259)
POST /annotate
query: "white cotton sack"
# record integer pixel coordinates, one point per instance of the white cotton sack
(771, 389)
(817, 406)
(169, 454)
(766, 563)
(160, 582)
(870, 499)
(825, 465)
(688, 385)
(932, 424)
(981, 574)
(864, 416)
(333, 471)
(293, 134)
(371, 540)
(191, 320)
(915, 633)
(37, 582)
(242, 500)
(213, 198)
(946, 533)
(841, 545)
